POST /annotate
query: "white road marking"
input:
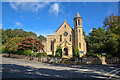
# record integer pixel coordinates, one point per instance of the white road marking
(114, 70)
(114, 73)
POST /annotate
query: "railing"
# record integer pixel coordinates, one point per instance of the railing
(57, 60)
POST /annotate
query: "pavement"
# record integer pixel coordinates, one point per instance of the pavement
(18, 68)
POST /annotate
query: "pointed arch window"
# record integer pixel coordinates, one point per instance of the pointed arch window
(60, 38)
(65, 26)
(51, 45)
(78, 22)
(79, 45)
(70, 37)
(79, 30)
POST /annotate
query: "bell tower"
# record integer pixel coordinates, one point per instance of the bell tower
(78, 31)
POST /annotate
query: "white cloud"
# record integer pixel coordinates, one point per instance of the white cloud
(54, 9)
(0, 26)
(91, 30)
(109, 12)
(18, 24)
(31, 6)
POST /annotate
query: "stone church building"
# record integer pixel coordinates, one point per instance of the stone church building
(67, 38)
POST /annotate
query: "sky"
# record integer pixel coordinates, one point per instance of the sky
(46, 17)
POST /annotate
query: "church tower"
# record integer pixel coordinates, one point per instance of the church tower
(78, 31)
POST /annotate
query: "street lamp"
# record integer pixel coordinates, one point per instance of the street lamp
(32, 49)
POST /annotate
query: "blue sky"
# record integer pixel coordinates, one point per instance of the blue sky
(46, 18)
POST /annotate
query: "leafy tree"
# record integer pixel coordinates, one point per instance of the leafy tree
(112, 27)
(9, 33)
(113, 23)
(5, 37)
(58, 52)
(111, 46)
(107, 39)
(75, 51)
(11, 45)
(95, 40)
(41, 38)
(30, 43)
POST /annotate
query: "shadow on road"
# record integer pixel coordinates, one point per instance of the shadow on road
(18, 71)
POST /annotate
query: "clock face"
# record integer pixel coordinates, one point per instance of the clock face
(65, 33)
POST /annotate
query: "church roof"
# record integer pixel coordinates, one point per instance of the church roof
(62, 24)
(77, 15)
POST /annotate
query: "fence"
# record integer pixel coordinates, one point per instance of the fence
(57, 60)
(112, 60)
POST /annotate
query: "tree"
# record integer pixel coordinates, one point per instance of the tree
(95, 40)
(30, 43)
(75, 51)
(112, 27)
(11, 45)
(9, 33)
(58, 51)
(111, 46)
(113, 23)
(41, 38)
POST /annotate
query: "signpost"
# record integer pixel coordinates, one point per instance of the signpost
(32, 54)
(103, 54)
(103, 59)
(32, 51)
(81, 53)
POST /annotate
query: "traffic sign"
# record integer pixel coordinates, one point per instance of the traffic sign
(103, 53)
(81, 52)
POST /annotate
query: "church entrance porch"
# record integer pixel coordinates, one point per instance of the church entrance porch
(65, 52)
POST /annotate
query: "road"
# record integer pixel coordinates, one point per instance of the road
(14, 68)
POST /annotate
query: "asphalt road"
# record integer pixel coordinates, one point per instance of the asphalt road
(14, 68)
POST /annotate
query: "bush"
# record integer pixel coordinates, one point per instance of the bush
(58, 52)
(38, 54)
(20, 52)
(27, 52)
(50, 55)
(44, 54)
(4, 49)
(75, 52)
(41, 54)
(57, 55)
(108, 55)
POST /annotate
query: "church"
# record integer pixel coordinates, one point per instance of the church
(67, 37)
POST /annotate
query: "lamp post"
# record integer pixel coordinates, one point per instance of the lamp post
(32, 49)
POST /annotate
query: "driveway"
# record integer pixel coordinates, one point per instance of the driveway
(16, 68)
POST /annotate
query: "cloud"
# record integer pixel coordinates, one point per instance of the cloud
(18, 24)
(0, 26)
(91, 30)
(54, 9)
(109, 12)
(30, 6)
